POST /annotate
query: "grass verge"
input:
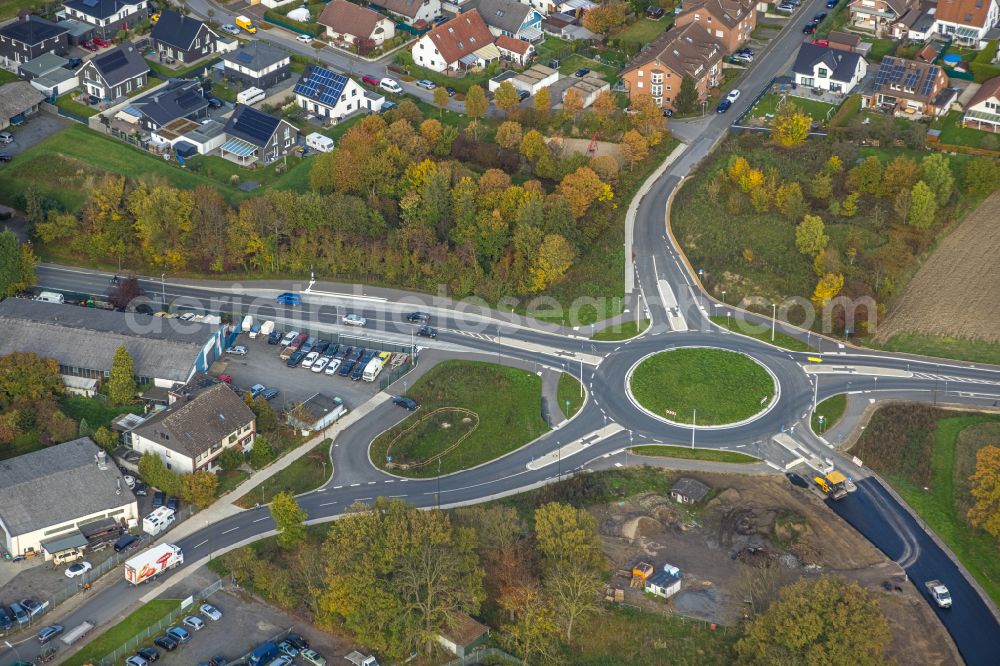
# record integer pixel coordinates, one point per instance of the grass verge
(737, 325)
(569, 394)
(507, 401)
(685, 453)
(831, 410)
(960, 349)
(98, 412)
(622, 331)
(117, 635)
(723, 386)
(305, 474)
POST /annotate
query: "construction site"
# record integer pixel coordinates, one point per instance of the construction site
(725, 557)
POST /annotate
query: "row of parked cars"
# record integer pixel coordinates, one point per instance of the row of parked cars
(19, 613)
(177, 636)
(284, 653)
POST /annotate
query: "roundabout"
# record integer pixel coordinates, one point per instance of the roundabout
(707, 387)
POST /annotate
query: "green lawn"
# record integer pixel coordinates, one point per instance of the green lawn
(686, 453)
(567, 66)
(10, 8)
(97, 411)
(164, 72)
(831, 409)
(782, 340)
(305, 474)
(7, 77)
(551, 47)
(507, 401)
(723, 386)
(569, 392)
(880, 49)
(944, 503)
(67, 103)
(960, 349)
(461, 83)
(644, 30)
(768, 105)
(952, 132)
(128, 628)
(623, 331)
(228, 480)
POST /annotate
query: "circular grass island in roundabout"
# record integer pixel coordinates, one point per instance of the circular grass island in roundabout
(701, 385)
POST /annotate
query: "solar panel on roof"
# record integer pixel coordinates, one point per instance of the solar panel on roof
(932, 75)
(244, 57)
(323, 85)
(256, 125)
(911, 80)
(113, 60)
(90, 3)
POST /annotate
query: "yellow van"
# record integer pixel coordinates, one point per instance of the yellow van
(246, 24)
(67, 556)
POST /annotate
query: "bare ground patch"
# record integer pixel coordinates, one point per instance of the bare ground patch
(954, 292)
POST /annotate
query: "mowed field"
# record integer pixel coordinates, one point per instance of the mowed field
(954, 294)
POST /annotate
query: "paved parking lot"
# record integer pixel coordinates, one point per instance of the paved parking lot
(33, 131)
(261, 365)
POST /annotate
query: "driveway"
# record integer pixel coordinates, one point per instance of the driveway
(40, 126)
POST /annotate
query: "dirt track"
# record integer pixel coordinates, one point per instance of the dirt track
(955, 292)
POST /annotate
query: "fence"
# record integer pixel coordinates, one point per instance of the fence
(495, 655)
(122, 652)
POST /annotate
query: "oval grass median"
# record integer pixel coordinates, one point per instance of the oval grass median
(470, 413)
(721, 386)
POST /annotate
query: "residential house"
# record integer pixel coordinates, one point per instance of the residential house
(179, 98)
(515, 50)
(183, 38)
(573, 7)
(463, 42)
(194, 430)
(730, 22)
(29, 37)
(688, 491)
(566, 26)
(115, 73)
(511, 18)
(347, 22)
(917, 23)
(317, 412)
(659, 70)
(966, 22)
(106, 17)
(48, 73)
(827, 68)
(908, 88)
(258, 64)
(983, 110)
(412, 12)
(331, 95)
(880, 17)
(253, 136)
(18, 100)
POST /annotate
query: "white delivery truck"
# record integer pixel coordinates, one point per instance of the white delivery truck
(158, 521)
(153, 562)
(250, 96)
(373, 369)
(247, 324)
(266, 328)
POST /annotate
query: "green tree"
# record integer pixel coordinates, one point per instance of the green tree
(533, 145)
(867, 176)
(532, 631)
(923, 206)
(849, 207)
(509, 134)
(476, 105)
(542, 103)
(84, 430)
(821, 186)
(155, 473)
(289, 519)
(982, 176)
(567, 534)
(267, 420)
(605, 17)
(232, 458)
(199, 488)
(790, 126)
(26, 377)
(262, 453)
(17, 265)
(506, 98)
(817, 622)
(440, 100)
(687, 97)
(935, 170)
(121, 383)
(789, 200)
(901, 174)
(575, 589)
(552, 259)
(810, 236)
(105, 438)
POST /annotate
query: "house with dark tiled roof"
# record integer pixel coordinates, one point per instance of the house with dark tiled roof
(179, 98)
(966, 22)
(115, 73)
(347, 22)
(106, 17)
(511, 18)
(463, 42)
(258, 64)
(182, 38)
(983, 110)
(908, 89)
(729, 22)
(827, 68)
(253, 136)
(689, 491)
(659, 70)
(880, 17)
(29, 37)
(412, 12)
(49, 74)
(192, 432)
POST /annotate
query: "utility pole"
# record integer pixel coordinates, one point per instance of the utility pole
(815, 391)
(163, 291)
(559, 458)
(774, 308)
(694, 424)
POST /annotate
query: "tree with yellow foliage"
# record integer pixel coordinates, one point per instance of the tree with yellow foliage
(635, 147)
(827, 289)
(509, 134)
(582, 188)
(790, 126)
(985, 511)
(554, 257)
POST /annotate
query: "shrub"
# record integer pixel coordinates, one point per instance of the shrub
(230, 459)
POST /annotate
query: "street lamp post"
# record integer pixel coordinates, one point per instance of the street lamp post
(16, 653)
(163, 290)
(559, 459)
(774, 309)
(694, 424)
(498, 343)
(815, 391)
(567, 409)
(439, 485)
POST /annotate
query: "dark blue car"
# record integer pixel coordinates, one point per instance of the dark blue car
(289, 298)
(723, 106)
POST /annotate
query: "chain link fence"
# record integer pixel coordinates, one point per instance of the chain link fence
(122, 652)
(487, 655)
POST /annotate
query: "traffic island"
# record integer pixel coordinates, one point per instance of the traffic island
(470, 413)
(703, 386)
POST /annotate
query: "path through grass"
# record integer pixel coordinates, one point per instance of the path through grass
(147, 615)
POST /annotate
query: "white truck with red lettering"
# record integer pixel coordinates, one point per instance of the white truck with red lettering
(153, 562)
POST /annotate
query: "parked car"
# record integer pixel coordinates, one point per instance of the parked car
(310, 358)
(304, 39)
(6, 137)
(148, 653)
(256, 390)
(418, 316)
(73, 63)
(742, 57)
(354, 320)
(288, 299)
(270, 394)
(523, 95)
(796, 480)
(142, 489)
(173, 503)
(426, 84)
(320, 364)
(295, 359)
(438, 20)
(179, 634)
(427, 332)
(668, 113)
(405, 403)
(288, 649)
(230, 28)
(582, 72)
(287, 340)
(298, 641)
(165, 642)
(819, 16)
(159, 497)
(654, 12)
(194, 623)
(809, 28)
(78, 569)
(371, 80)
(49, 632)
(821, 42)
(312, 657)
(786, 7)
(6, 620)
(89, 45)
(390, 85)
(33, 607)
(830, 4)
(387, 105)
(127, 542)
(6, 157)
(733, 95)
(282, 660)
(21, 615)
(274, 338)
(723, 106)
(451, 91)
(332, 366)
(136, 660)
(101, 42)
(238, 350)
(210, 611)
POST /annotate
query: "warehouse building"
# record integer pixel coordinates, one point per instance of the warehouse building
(49, 497)
(84, 340)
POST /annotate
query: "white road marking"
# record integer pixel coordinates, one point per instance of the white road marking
(355, 485)
(231, 530)
(260, 519)
(328, 504)
(202, 543)
(337, 487)
(372, 483)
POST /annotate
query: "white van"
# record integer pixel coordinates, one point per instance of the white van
(390, 85)
(50, 297)
(250, 96)
(319, 142)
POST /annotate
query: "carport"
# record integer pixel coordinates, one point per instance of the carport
(61, 544)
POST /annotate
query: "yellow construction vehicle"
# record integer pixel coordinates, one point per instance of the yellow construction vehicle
(832, 484)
